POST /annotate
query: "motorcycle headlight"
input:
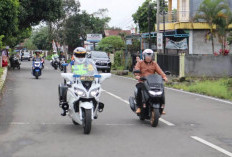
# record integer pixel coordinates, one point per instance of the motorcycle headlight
(79, 92)
(94, 92)
(154, 93)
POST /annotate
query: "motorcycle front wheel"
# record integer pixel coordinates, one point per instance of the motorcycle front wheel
(155, 114)
(36, 75)
(87, 120)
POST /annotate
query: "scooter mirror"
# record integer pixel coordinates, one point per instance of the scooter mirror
(137, 71)
(143, 79)
(167, 72)
(65, 64)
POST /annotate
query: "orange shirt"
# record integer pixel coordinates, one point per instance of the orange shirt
(148, 69)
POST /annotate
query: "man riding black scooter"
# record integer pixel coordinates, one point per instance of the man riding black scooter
(146, 67)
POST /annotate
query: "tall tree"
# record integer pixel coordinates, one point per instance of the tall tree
(78, 26)
(8, 18)
(147, 10)
(209, 12)
(40, 38)
(32, 12)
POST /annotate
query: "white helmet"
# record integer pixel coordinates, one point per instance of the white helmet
(148, 52)
(79, 54)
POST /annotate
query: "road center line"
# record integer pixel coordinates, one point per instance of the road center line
(212, 146)
(162, 120)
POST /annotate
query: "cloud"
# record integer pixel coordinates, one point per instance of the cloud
(120, 11)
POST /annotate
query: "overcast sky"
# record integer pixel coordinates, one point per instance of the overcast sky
(120, 11)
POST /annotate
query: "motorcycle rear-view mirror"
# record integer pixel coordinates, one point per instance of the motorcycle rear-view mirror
(137, 71)
(65, 64)
(143, 79)
(167, 72)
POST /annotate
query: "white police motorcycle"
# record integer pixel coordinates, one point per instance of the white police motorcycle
(79, 95)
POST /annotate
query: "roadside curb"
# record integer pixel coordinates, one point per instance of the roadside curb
(3, 78)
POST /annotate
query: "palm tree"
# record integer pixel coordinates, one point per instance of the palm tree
(223, 22)
(210, 11)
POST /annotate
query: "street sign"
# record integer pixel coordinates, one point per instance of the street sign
(94, 38)
(128, 42)
(159, 41)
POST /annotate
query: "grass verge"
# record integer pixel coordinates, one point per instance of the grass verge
(1, 72)
(220, 88)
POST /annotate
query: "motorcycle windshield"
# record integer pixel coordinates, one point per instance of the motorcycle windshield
(84, 68)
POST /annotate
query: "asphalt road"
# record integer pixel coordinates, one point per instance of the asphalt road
(31, 125)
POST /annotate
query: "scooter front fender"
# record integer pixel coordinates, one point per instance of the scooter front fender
(86, 105)
(156, 106)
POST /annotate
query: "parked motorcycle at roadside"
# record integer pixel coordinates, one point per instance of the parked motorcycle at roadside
(79, 97)
(36, 69)
(14, 62)
(154, 98)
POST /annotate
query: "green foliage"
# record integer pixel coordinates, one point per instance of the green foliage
(220, 88)
(213, 12)
(78, 26)
(49, 57)
(142, 14)
(29, 44)
(135, 46)
(17, 17)
(119, 61)
(111, 44)
(32, 12)
(41, 39)
(8, 18)
(1, 44)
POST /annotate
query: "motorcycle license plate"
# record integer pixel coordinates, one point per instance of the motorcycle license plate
(87, 78)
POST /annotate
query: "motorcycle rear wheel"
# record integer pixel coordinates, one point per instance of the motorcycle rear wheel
(87, 120)
(155, 114)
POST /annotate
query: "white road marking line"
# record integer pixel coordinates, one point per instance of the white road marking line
(212, 146)
(162, 120)
(178, 90)
(119, 124)
(43, 123)
(166, 122)
(204, 96)
(127, 102)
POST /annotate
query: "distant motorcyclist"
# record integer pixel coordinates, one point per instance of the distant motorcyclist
(37, 56)
(147, 67)
(62, 55)
(55, 55)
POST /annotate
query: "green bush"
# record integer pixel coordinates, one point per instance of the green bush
(49, 57)
(220, 88)
(119, 61)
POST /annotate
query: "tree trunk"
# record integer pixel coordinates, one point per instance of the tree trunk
(212, 42)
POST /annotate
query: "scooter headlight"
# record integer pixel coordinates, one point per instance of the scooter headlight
(94, 92)
(79, 92)
(154, 93)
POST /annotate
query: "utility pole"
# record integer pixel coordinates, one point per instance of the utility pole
(164, 39)
(157, 20)
(157, 15)
(149, 24)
